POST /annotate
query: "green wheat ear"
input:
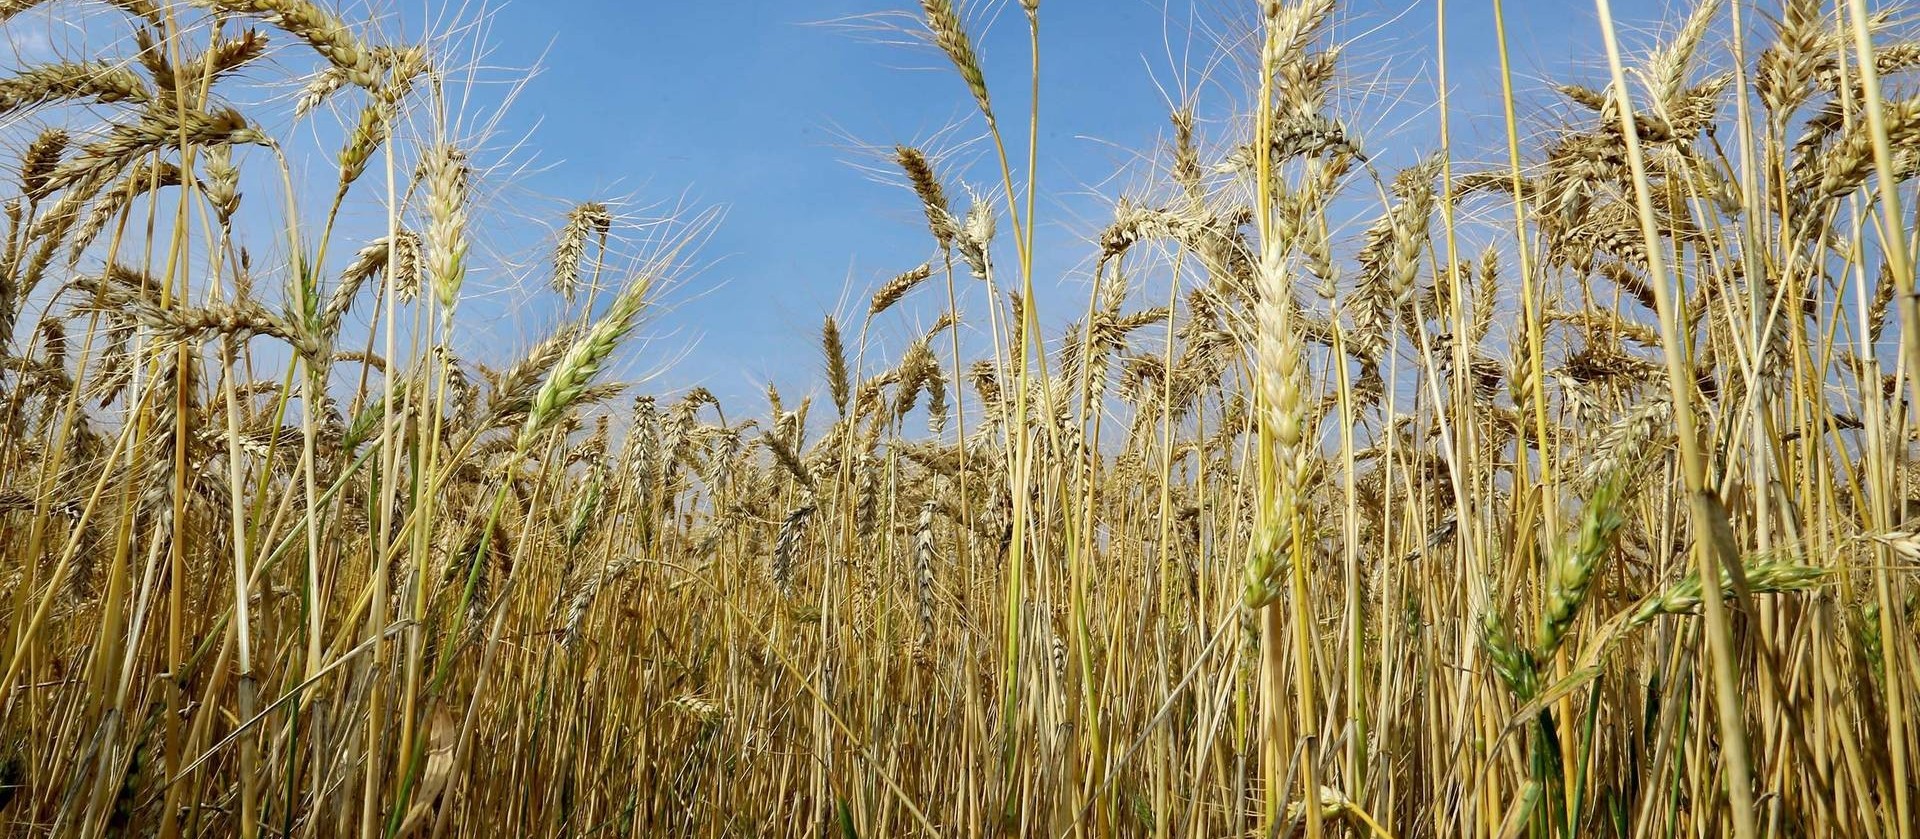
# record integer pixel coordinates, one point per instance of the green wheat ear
(1774, 573)
(577, 369)
(1572, 566)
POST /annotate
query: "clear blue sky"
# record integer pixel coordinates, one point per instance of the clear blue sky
(756, 107)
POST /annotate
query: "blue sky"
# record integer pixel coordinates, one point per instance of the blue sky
(761, 107)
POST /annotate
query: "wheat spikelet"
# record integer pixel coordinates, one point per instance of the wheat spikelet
(175, 416)
(53, 342)
(1389, 260)
(838, 378)
(575, 371)
(947, 320)
(950, 35)
(403, 265)
(1849, 163)
(1786, 66)
(318, 89)
(377, 116)
(792, 529)
(237, 319)
(1512, 662)
(1766, 574)
(919, 370)
(1571, 568)
(923, 573)
(1283, 391)
(39, 161)
(318, 27)
(586, 507)
(975, 239)
(776, 408)
(1186, 156)
(787, 459)
(926, 185)
(1300, 135)
(1888, 60)
(1877, 308)
(1625, 446)
(222, 182)
(1585, 97)
(1692, 111)
(896, 289)
(128, 292)
(229, 54)
(582, 600)
(1291, 29)
(155, 129)
(1668, 67)
(95, 81)
(115, 366)
(446, 242)
(583, 221)
(328, 80)
(701, 709)
(936, 384)
(1602, 322)
(1132, 223)
(368, 261)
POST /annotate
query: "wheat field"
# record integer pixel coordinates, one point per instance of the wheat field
(1571, 494)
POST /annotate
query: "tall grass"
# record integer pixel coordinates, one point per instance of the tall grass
(1572, 495)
